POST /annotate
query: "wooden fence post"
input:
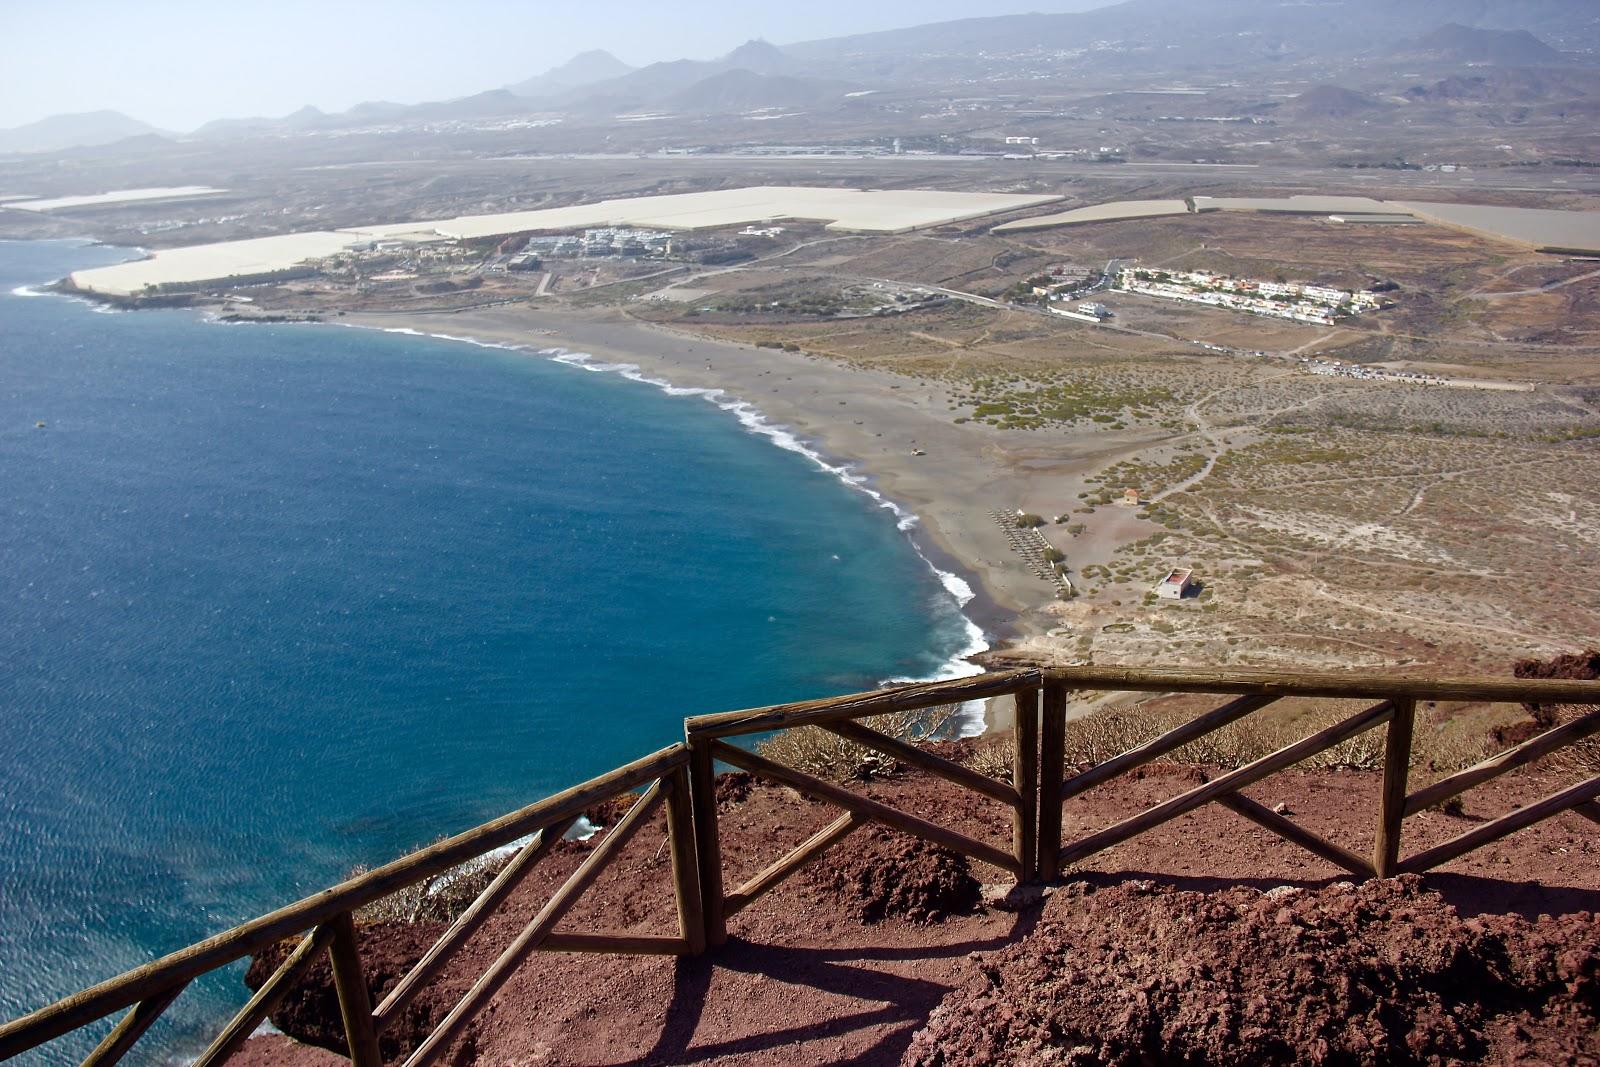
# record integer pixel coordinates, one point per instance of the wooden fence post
(685, 864)
(1025, 777)
(1052, 758)
(708, 848)
(355, 1004)
(1396, 767)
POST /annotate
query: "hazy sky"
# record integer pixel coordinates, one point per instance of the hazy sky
(179, 63)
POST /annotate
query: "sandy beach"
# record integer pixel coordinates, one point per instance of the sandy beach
(894, 430)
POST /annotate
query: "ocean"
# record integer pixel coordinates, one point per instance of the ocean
(276, 601)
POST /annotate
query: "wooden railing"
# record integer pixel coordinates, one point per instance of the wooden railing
(682, 780)
(324, 923)
(705, 735)
(1396, 706)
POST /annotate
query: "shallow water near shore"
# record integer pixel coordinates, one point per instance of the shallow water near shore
(281, 600)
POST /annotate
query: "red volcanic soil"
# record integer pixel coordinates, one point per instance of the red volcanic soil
(1384, 972)
(846, 962)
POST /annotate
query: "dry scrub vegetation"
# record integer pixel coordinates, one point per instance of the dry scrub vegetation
(824, 754)
(439, 899)
(1440, 744)
(1357, 524)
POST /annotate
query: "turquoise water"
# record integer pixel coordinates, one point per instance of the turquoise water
(280, 600)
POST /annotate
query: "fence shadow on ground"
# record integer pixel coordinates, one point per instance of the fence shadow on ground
(902, 999)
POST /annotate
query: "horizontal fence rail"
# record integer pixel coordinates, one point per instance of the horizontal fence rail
(681, 782)
(1257, 690)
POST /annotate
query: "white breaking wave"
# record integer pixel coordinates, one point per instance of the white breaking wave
(93, 305)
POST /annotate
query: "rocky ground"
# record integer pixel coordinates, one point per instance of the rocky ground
(1386, 972)
(1184, 928)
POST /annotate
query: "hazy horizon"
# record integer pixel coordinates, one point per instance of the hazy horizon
(216, 62)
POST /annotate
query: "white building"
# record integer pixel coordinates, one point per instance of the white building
(1178, 582)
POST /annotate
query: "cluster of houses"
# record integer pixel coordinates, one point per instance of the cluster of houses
(1318, 304)
(607, 241)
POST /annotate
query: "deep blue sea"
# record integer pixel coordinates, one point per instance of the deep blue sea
(280, 600)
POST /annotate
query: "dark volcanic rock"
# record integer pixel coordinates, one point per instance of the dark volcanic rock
(1580, 666)
(1381, 973)
(1570, 666)
(875, 875)
(310, 1013)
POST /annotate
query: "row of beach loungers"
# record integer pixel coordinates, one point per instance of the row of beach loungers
(1029, 544)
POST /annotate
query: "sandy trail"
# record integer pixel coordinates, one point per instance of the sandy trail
(1548, 287)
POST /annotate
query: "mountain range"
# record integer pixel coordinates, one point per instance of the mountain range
(1174, 38)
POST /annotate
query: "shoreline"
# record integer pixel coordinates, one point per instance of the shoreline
(870, 450)
(881, 465)
(917, 465)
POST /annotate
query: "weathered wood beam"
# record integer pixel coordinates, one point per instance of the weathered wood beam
(184, 965)
(1494, 830)
(872, 809)
(707, 841)
(540, 928)
(1355, 684)
(1294, 833)
(1519, 755)
(1156, 747)
(130, 1028)
(1025, 777)
(1392, 800)
(268, 997)
(685, 873)
(913, 756)
(467, 923)
(355, 1003)
(1052, 760)
(1228, 783)
(804, 853)
(860, 705)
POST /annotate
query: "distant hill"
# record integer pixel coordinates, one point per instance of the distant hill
(492, 104)
(376, 111)
(760, 57)
(1185, 41)
(307, 118)
(660, 84)
(1332, 102)
(1468, 44)
(744, 90)
(495, 103)
(84, 129)
(1513, 86)
(586, 68)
